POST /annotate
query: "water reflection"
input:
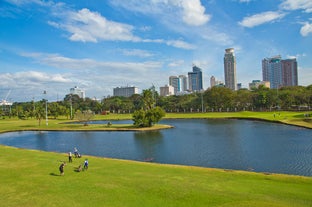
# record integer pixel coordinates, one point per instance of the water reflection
(148, 144)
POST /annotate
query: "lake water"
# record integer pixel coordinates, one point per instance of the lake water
(229, 144)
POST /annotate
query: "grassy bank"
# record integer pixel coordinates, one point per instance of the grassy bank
(31, 178)
(285, 117)
(14, 124)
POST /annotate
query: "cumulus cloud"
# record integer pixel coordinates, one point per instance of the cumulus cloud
(306, 29)
(261, 18)
(305, 5)
(192, 11)
(87, 26)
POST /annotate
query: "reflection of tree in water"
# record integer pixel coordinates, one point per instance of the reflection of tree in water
(41, 140)
(146, 144)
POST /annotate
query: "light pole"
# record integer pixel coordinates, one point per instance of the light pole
(46, 107)
(71, 107)
(202, 100)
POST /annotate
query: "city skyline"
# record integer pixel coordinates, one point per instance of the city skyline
(54, 45)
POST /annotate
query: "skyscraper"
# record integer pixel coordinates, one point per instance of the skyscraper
(175, 83)
(272, 71)
(195, 79)
(182, 83)
(280, 72)
(230, 69)
(290, 72)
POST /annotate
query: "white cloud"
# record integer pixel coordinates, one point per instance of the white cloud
(31, 79)
(306, 29)
(85, 64)
(261, 18)
(192, 11)
(244, 1)
(176, 63)
(87, 26)
(137, 53)
(305, 5)
(180, 44)
(96, 77)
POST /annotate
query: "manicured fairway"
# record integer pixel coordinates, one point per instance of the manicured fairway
(31, 178)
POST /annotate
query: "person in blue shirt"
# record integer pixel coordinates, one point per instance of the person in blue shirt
(86, 164)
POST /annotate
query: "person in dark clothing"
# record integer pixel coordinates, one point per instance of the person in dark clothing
(61, 168)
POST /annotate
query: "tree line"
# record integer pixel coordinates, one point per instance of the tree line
(216, 99)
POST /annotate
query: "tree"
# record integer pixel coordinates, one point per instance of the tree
(219, 97)
(148, 99)
(40, 112)
(149, 114)
(148, 118)
(84, 116)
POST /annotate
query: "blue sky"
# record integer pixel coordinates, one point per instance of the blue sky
(98, 45)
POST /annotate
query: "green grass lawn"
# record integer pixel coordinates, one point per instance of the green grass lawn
(31, 178)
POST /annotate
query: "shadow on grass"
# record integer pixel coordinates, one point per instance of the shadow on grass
(54, 174)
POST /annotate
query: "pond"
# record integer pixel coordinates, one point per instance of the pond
(215, 143)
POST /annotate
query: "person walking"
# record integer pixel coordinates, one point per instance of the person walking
(86, 164)
(75, 152)
(70, 157)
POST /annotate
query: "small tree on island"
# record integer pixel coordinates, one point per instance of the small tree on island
(84, 116)
(148, 115)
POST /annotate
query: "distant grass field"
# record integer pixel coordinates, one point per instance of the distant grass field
(31, 178)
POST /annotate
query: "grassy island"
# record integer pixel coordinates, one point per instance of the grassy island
(32, 178)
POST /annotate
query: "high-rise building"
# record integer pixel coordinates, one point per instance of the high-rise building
(175, 83)
(290, 72)
(212, 81)
(230, 69)
(166, 90)
(125, 91)
(183, 83)
(195, 79)
(280, 72)
(179, 83)
(272, 71)
(77, 91)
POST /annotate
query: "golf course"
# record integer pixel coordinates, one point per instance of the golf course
(32, 178)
